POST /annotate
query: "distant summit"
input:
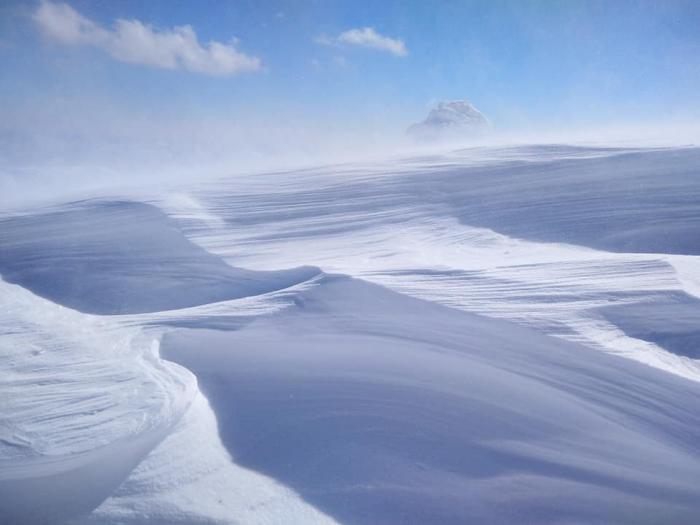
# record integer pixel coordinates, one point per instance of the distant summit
(451, 120)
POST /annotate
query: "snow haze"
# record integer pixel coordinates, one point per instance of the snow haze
(235, 290)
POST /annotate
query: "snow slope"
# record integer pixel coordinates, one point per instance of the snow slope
(130, 251)
(464, 374)
(83, 402)
(394, 410)
(402, 224)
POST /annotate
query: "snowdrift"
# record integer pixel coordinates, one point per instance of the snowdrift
(492, 335)
(118, 257)
(376, 407)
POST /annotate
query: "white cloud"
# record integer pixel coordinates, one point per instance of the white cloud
(367, 37)
(137, 43)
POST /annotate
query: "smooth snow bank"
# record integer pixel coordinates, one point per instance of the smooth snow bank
(379, 408)
(119, 257)
(191, 478)
(643, 201)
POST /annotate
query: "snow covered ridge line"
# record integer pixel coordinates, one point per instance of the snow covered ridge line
(333, 399)
(410, 226)
(377, 408)
(101, 400)
(639, 200)
(132, 254)
(101, 397)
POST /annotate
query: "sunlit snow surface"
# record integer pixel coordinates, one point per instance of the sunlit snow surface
(492, 336)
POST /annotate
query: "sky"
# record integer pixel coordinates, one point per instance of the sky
(84, 79)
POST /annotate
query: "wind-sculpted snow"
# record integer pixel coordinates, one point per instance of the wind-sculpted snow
(122, 257)
(83, 402)
(309, 398)
(401, 224)
(610, 199)
(631, 202)
(379, 408)
(86, 398)
(671, 321)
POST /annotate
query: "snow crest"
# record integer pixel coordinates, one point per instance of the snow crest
(483, 335)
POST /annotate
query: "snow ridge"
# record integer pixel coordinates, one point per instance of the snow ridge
(419, 340)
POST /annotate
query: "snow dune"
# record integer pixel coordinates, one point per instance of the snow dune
(130, 253)
(402, 225)
(376, 407)
(85, 397)
(462, 373)
(628, 201)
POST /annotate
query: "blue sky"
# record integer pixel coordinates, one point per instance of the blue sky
(523, 63)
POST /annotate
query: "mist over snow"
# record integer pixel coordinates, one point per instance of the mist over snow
(81, 147)
(360, 343)
(349, 262)
(73, 147)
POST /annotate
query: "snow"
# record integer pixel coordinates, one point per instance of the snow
(487, 335)
(84, 401)
(451, 119)
(392, 409)
(191, 478)
(139, 261)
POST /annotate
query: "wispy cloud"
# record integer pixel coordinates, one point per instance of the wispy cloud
(367, 37)
(138, 43)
